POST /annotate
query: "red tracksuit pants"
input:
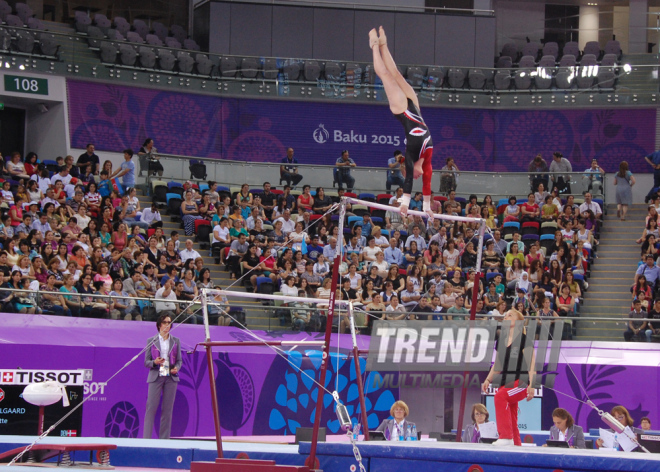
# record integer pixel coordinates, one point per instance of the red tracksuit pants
(506, 412)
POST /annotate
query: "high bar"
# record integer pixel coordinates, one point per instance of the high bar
(380, 206)
(211, 291)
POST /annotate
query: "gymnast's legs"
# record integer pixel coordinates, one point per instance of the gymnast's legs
(398, 92)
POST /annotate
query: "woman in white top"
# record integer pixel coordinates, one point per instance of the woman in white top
(354, 277)
(381, 264)
(369, 252)
(583, 234)
(514, 273)
(297, 235)
(321, 267)
(450, 256)
(23, 266)
(324, 292)
(42, 179)
(289, 288)
(134, 201)
(395, 311)
(539, 196)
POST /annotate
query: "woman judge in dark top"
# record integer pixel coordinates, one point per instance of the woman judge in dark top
(510, 393)
(565, 429)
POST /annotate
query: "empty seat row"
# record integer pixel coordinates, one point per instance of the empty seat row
(28, 42)
(137, 32)
(23, 12)
(537, 50)
(151, 58)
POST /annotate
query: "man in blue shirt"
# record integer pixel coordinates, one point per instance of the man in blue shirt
(648, 270)
(126, 171)
(394, 175)
(654, 161)
(343, 171)
(288, 171)
(393, 254)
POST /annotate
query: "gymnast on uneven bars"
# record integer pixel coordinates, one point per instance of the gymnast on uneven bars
(405, 107)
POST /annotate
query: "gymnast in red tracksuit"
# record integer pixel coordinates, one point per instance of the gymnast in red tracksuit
(405, 107)
(508, 396)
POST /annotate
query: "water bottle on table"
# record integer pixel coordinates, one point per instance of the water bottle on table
(413, 433)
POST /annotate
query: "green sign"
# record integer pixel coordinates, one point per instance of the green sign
(22, 84)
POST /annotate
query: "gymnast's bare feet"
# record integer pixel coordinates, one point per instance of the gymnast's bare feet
(373, 38)
(382, 39)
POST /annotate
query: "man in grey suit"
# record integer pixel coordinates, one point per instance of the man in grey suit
(163, 359)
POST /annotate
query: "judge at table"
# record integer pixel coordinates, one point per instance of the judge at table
(396, 428)
(479, 417)
(565, 429)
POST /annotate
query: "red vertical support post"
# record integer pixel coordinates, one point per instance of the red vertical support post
(310, 462)
(473, 316)
(40, 425)
(214, 402)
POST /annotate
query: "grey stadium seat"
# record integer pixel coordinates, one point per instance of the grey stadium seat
(332, 72)
(133, 37)
(592, 47)
(24, 12)
(13, 20)
(94, 37)
(249, 67)
(102, 22)
(476, 79)
(48, 45)
(186, 62)
(154, 40)
(35, 24)
(504, 62)
(172, 43)
(502, 79)
(522, 78)
(122, 25)
(608, 60)
(415, 76)
(190, 44)
(531, 49)
(160, 30)
(141, 28)
(228, 66)
(204, 64)
(108, 52)
(270, 68)
(179, 33)
(82, 23)
(291, 71)
(456, 77)
(115, 35)
(147, 57)
(24, 41)
(510, 50)
(5, 10)
(551, 49)
(166, 59)
(606, 77)
(127, 55)
(312, 71)
(572, 48)
(546, 72)
(435, 76)
(613, 47)
(585, 76)
(565, 77)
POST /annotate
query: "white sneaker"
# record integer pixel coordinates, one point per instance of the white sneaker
(503, 442)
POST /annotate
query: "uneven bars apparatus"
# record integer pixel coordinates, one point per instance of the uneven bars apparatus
(475, 289)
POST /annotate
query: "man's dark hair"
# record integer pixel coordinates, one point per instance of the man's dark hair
(129, 152)
(398, 153)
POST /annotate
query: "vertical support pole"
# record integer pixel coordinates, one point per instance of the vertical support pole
(214, 402)
(310, 462)
(473, 316)
(205, 312)
(40, 425)
(358, 374)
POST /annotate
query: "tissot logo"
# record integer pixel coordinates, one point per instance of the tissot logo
(25, 377)
(7, 377)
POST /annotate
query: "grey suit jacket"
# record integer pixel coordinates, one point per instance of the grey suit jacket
(387, 427)
(574, 436)
(153, 351)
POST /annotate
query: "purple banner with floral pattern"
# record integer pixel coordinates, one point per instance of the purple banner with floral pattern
(262, 393)
(116, 117)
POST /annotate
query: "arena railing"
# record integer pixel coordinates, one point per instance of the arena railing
(268, 317)
(636, 84)
(367, 179)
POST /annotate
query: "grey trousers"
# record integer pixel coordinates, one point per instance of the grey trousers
(167, 387)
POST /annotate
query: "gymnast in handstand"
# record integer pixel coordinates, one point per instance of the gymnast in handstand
(405, 107)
